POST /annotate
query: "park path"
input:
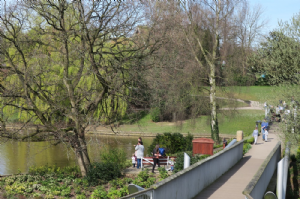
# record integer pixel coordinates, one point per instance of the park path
(233, 182)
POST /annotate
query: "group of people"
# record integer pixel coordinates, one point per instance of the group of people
(139, 154)
(264, 131)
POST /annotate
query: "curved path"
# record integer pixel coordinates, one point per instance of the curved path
(233, 182)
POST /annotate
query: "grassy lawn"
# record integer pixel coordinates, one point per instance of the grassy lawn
(229, 123)
(255, 93)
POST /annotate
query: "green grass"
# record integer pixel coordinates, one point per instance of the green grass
(254, 93)
(229, 123)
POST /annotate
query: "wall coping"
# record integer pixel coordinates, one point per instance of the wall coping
(259, 173)
(136, 193)
(182, 172)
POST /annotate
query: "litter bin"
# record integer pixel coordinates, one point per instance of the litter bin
(203, 146)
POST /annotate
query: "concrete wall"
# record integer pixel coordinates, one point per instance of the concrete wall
(259, 183)
(189, 182)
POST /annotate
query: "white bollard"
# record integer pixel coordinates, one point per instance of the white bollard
(187, 161)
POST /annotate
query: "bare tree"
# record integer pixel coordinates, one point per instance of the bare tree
(69, 64)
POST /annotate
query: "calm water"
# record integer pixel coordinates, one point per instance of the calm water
(16, 156)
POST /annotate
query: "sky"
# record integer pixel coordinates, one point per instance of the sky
(275, 10)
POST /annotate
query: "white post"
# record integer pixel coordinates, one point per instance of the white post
(187, 160)
(142, 162)
(279, 188)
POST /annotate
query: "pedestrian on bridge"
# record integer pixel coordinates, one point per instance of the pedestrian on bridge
(255, 135)
(264, 126)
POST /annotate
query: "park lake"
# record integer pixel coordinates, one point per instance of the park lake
(19, 156)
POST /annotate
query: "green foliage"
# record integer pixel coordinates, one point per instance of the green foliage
(173, 142)
(99, 192)
(246, 148)
(43, 170)
(82, 196)
(114, 193)
(277, 59)
(116, 156)
(103, 171)
(144, 179)
(249, 139)
(180, 160)
(298, 154)
(163, 173)
(155, 114)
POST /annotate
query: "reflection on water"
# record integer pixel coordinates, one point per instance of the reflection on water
(16, 156)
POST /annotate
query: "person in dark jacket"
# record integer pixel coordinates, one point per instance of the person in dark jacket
(155, 157)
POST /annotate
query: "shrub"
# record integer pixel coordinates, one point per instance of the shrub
(293, 158)
(163, 173)
(249, 139)
(104, 171)
(155, 114)
(298, 154)
(99, 192)
(246, 148)
(116, 156)
(173, 142)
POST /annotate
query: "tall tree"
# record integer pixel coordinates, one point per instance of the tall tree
(69, 64)
(210, 14)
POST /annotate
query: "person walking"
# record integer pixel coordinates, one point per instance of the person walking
(255, 135)
(266, 135)
(264, 126)
(155, 157)
(139, 153)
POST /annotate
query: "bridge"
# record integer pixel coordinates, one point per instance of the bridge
(227, 174)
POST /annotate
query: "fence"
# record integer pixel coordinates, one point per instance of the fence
(259, 183)
(191, 181)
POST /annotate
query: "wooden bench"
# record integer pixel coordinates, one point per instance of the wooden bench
(162, 161)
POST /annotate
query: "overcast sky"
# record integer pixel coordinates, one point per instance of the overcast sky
(275, 10)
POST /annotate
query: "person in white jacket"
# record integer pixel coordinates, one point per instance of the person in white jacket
(255, 135)
(139, 153)
(266, 135)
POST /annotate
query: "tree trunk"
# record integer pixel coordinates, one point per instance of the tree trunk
(81, 163)
(212, 97)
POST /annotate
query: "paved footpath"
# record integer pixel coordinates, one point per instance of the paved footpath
(233, 182)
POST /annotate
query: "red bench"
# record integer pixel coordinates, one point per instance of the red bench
(162, 160)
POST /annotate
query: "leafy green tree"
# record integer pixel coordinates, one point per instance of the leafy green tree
(278, 59)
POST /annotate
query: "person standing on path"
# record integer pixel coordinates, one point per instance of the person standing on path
(266, 135)
(255, 135)
(133, 160)
(139, 153)
(264, 126)
(155, 157)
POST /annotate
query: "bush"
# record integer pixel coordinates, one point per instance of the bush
(116, 156)
(104, 171)
(173, 142)
(298, 154)
(155, 114)
(163, 173)
(249, 139)
(99, 192)
(246, 148)
(180, 160)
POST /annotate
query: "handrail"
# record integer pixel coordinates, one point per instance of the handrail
(249, 188)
